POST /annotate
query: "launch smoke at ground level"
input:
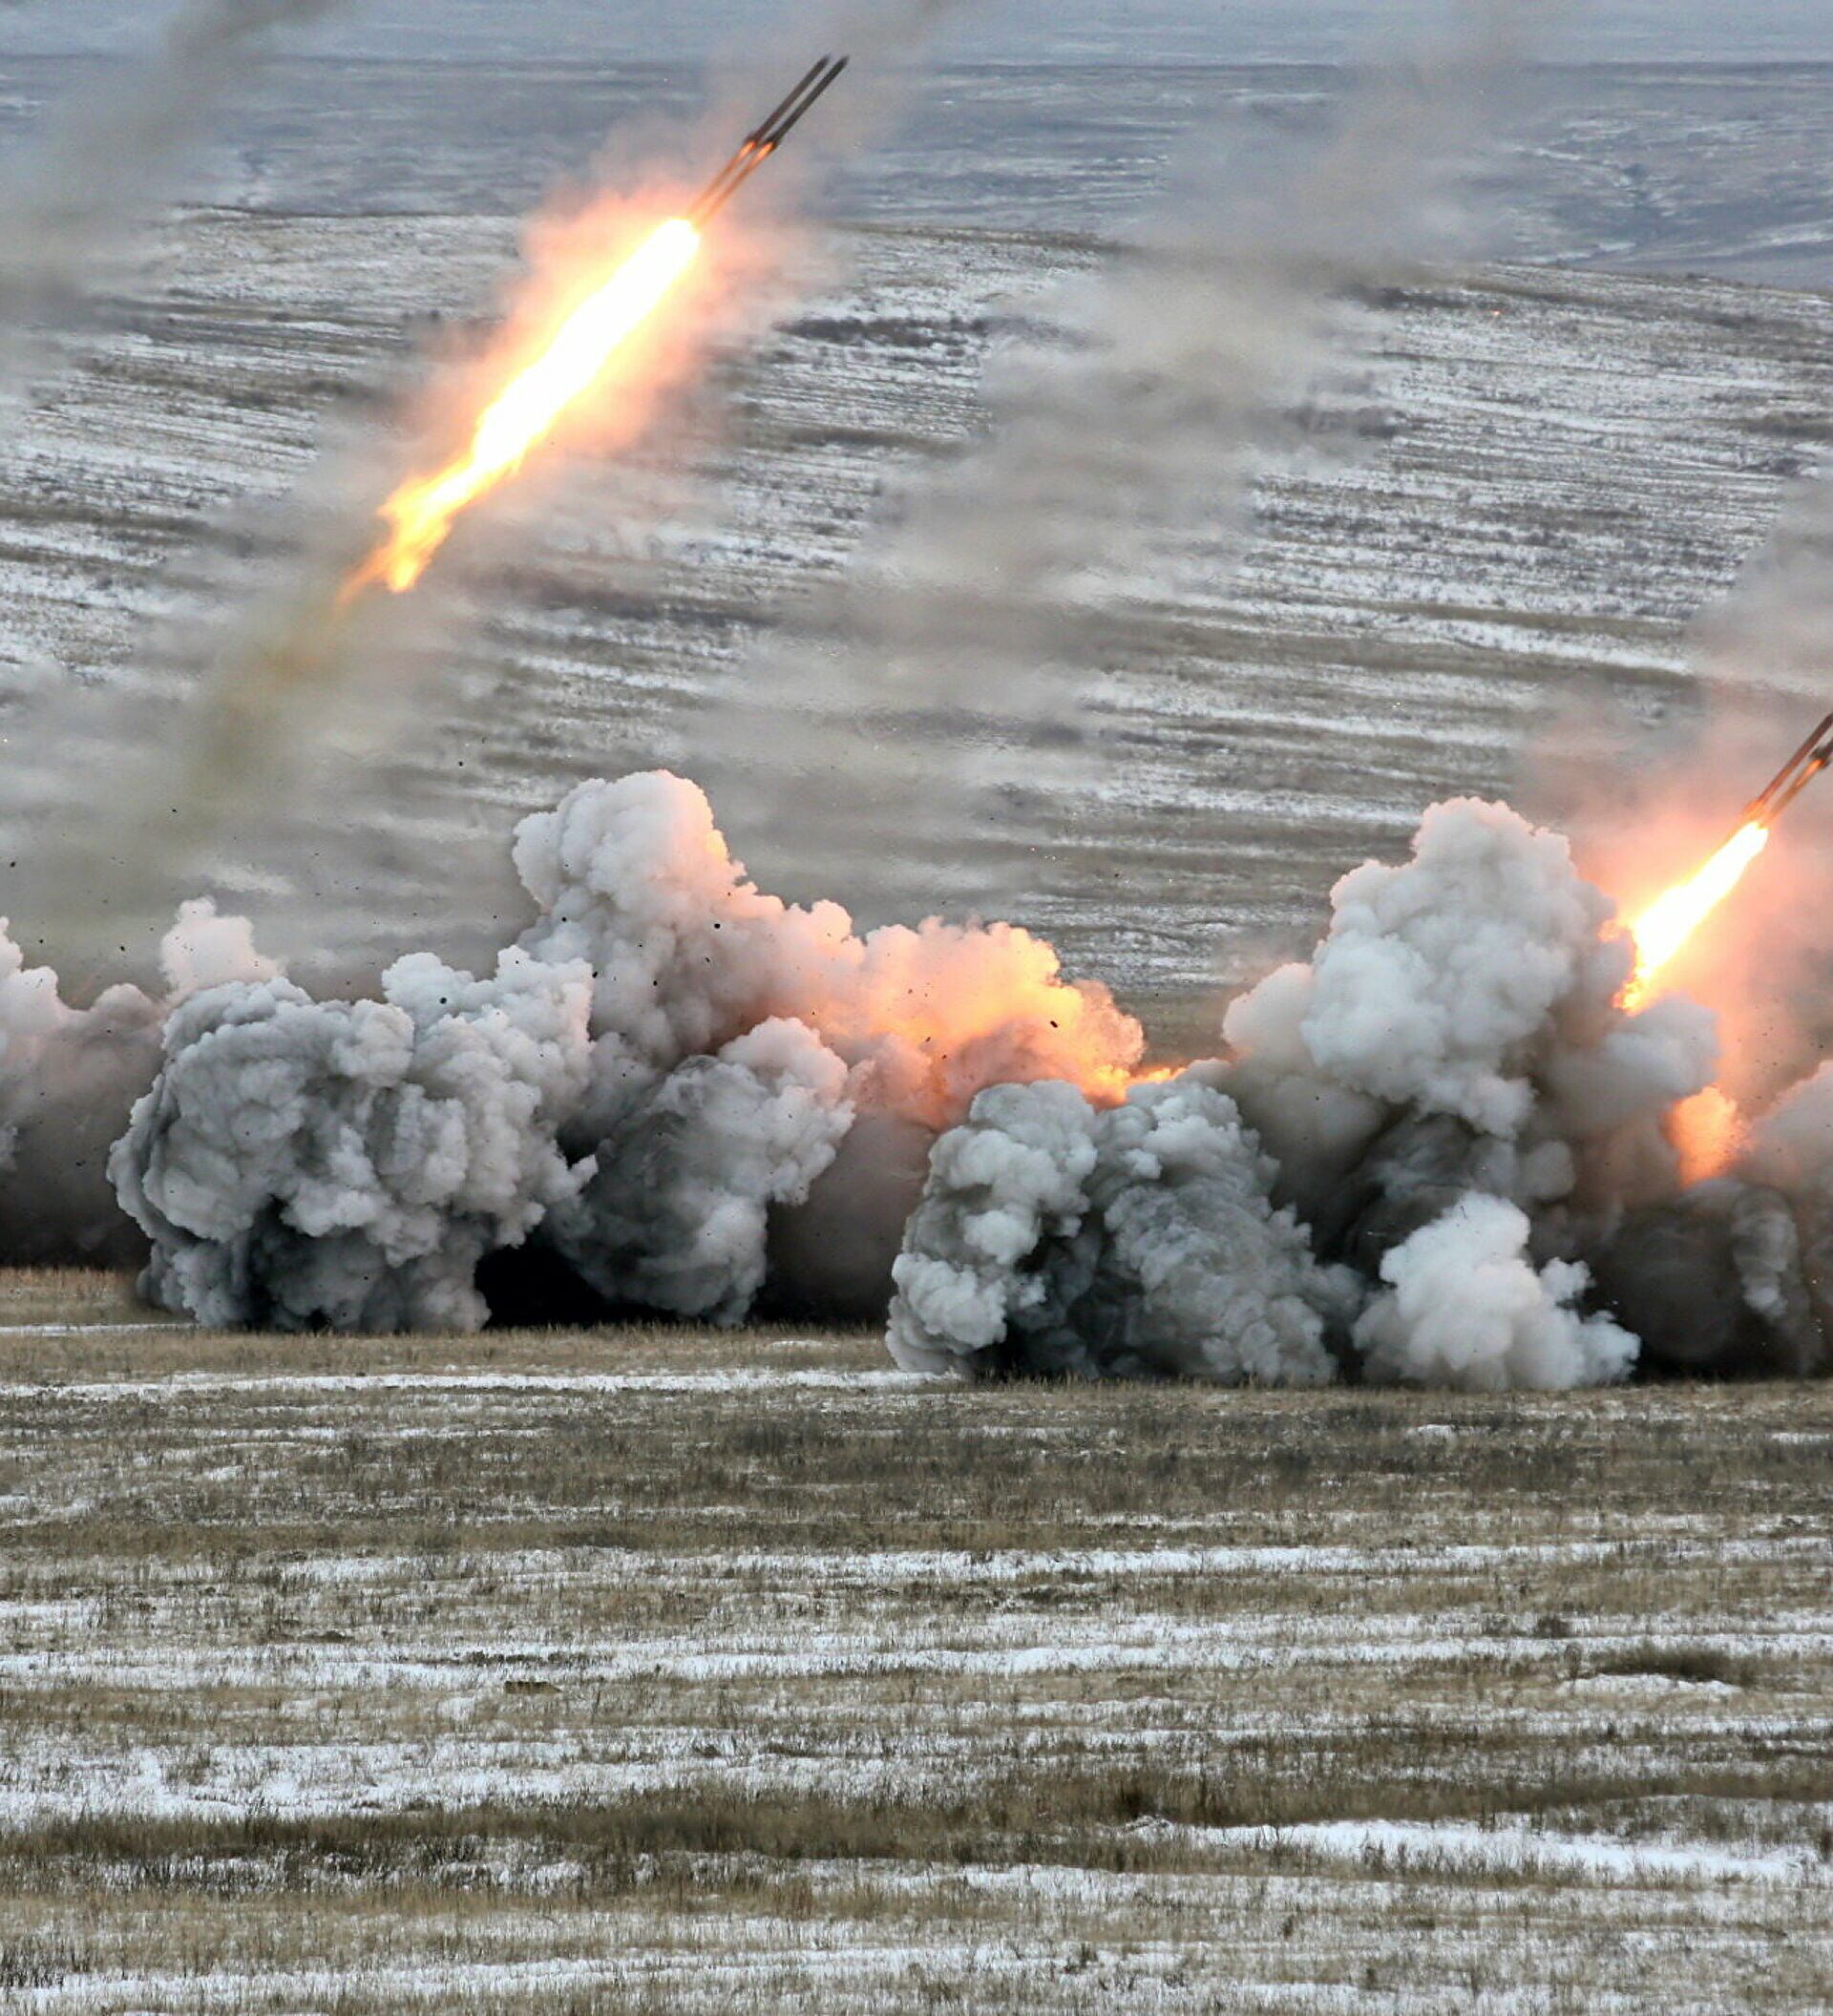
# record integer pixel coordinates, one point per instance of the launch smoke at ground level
(676, 1093)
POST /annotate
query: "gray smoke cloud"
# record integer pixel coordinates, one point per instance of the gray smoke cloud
(1736, 1272)
(1460, 1106)
(1054, 1237)
(303, 1162)
(666, 1058)
(69, 1076)
(1440, 1151)
(1010, 1183)
(676, 1217)
(1713, 1279)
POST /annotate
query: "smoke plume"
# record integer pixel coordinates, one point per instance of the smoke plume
(1466, 1307)
(676, 1217)
(1139, 1241)
(69, 1076)
(666, 1055)
(1439, 1151)
(304, 1163)
(1456, 1030)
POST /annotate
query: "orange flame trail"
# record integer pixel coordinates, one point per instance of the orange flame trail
(423, 511)
(1672, 919)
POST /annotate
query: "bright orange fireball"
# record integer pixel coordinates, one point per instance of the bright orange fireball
(423, 511)
(1672, 919)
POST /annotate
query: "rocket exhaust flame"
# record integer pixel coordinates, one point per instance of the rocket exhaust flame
(264, 709)
(528, 409)
(1667, 924)
(1672, 919)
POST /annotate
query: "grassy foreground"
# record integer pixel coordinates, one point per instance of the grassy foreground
(689, 1671)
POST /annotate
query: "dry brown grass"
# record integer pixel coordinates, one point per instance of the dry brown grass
(668, 1669)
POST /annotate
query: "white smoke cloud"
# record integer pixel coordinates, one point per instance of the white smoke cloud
(634, 877)
(1459, 1032)
(1477, 981)
(1465, 1308)
(1440, 976)
(736, 1036)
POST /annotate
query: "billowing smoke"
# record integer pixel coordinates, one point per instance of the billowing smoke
(300, 1162)
(1736, 1272)
(350, 1164)
(736, 1039)
(676, 1217)
(1439, 1151)
(1138, 1241)
(1466, 1306)
(1713, 1279)
(667, 1057)
(67, 1077)
(1457, 1030)
(634, 878)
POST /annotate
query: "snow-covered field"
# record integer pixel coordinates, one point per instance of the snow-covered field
(672, 1670)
